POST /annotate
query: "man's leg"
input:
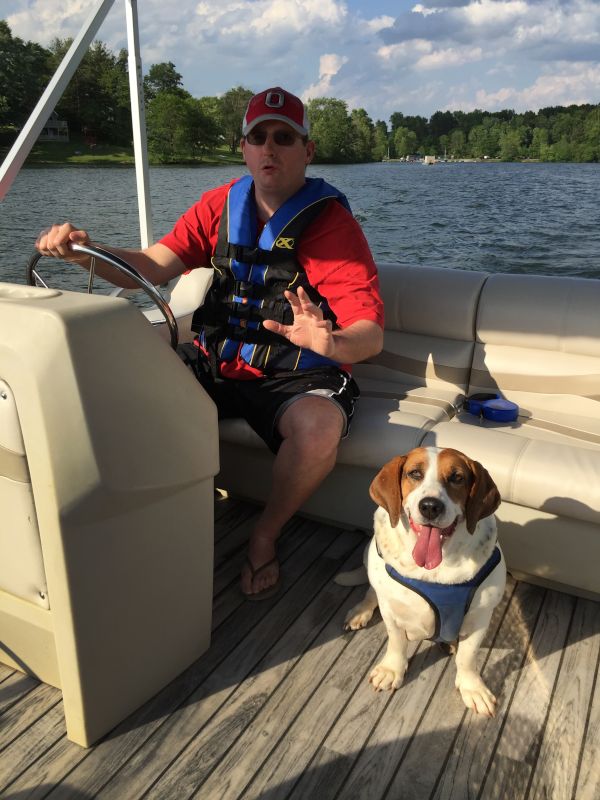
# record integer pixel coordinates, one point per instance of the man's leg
(311, 428)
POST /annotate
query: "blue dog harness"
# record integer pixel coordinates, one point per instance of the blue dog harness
(448, 601)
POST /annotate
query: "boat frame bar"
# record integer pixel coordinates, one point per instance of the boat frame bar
(54, 91)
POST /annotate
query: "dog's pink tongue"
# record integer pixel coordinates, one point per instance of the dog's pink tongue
(428, 550)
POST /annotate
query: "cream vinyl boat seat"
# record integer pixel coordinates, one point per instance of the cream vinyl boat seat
(449, 333)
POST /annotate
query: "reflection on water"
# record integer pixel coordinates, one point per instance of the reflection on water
(540, 218)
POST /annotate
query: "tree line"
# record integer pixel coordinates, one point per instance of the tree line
(182, 128)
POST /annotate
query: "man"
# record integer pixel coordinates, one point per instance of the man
(275, 356)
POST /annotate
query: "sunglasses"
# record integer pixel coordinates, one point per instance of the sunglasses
(280, 137)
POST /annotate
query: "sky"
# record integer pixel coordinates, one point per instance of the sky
(380, 55)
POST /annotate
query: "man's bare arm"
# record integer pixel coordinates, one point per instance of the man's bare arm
(363, 339)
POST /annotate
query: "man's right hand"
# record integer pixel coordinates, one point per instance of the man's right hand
(55, 242)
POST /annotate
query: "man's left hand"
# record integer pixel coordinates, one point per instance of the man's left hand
(309, 329)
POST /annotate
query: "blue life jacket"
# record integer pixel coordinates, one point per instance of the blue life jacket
(251, 276)
(449, 601)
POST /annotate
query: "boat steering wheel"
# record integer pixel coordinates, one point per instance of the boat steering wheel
(33, 278)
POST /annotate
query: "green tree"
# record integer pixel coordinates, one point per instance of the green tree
(205, 129)
(233, 106)
(363, 135)
(457, 143)
(163, 77)
(405, 142)
(510, 145)
(591, 132)
(539, 143)
(380, 141)
(563, 150)
(24, 73)
(441, 123)
(170, 127)
(331, 128)
(484, 139)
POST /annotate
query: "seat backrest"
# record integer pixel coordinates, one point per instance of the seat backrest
(538, 343)
(429, 327)
(184, 294)
(21, 562)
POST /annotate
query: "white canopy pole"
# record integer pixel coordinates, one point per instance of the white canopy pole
(140, 149)
(47, 102)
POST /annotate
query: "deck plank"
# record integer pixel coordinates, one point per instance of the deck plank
(475, 743)
(519, 742)
(28, 748)
(556, 767)
(30, 708)
(13, 688)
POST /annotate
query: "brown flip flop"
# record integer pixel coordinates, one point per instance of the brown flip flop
(270, 591)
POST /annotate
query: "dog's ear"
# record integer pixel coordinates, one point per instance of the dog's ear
(386, 489)
(484, 497)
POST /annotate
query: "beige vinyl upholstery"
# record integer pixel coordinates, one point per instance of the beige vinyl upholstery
(183, 294)
(533, 339)
(108, 448)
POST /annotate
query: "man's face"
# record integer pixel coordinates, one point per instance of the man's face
(277, 158)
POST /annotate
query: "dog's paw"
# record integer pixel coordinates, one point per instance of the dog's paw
(360, 615)
(385, 678)
(357, 619)
(476, 695)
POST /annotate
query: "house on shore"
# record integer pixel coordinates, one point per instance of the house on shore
(55, 130)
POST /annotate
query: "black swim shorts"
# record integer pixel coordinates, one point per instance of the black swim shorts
(261, 402)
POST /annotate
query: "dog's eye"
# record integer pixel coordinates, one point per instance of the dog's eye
(456, 477)
(415, 475)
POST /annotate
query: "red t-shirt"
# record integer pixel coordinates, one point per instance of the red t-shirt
(333, 252)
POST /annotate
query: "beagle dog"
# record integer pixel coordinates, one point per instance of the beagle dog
(434, 565)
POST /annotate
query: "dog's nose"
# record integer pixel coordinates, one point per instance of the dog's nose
(431, 507)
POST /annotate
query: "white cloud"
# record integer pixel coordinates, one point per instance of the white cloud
(405, 52)
(420, 9)
(379, 23)
(574, 86)
(451, 57)
(329, 66)
(247, 17)
(494, 12)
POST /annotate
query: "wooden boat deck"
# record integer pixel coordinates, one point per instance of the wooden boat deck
(280, 706)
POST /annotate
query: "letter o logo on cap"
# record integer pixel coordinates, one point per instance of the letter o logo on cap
(274, 100)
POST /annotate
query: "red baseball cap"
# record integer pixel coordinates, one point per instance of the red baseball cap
(276, 104)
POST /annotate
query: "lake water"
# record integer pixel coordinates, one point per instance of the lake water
(541, 218)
